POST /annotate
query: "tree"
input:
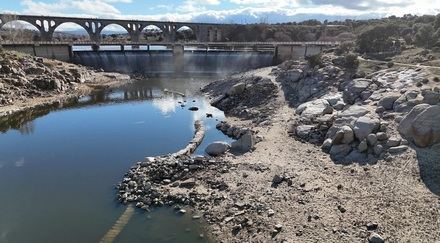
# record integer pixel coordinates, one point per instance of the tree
(437, 22)
(425, 36)
(378, 38)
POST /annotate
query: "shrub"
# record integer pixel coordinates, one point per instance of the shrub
(351, 61)
(315, 60)
(425, 36)
(379, 38)
(344, 47)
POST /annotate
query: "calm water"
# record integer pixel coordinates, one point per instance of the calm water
(58, 170)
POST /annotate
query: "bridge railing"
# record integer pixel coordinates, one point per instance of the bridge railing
(295, 43)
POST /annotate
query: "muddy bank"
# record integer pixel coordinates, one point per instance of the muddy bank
(28, 82)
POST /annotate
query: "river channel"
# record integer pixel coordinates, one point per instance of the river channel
(58, 167)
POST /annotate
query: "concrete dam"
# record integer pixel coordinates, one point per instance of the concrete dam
(164, 62)
(179, 59)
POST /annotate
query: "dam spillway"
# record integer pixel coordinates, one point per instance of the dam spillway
(163, 62)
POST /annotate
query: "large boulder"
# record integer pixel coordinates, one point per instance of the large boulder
(387, 102)
(314, 108)
(353, 90)
(422, 125)
(244, 144)
(407, 101)
(338, 152)
(217, 148)
(431, 97)
(365, 125)
(345, 135)
(355, 111)
(237, 89)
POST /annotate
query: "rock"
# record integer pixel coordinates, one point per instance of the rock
(363, 146)
(327, 144)
(338, 152)
(348, 134)
(375, 238)
(291, 76)
(381, 136)
(342, 209)
(334, 99)
(314, 108)
(431, 97)
(354, 89)
(190, 183)
(405, 125)
(372, 139)
(365, 125)
(217, 148)
(380, 110)
(245, 143)
(237, 89)
(407, 101)
(398, 149)
(422, 125)
(182, 211)
(354, 111)
(393, 142)
(276, 180)
(372, 226)
(388, 101)
(378, 149)
(339, 106)
(270, 212)
(355, 156)
(278, 227)
(303, 131)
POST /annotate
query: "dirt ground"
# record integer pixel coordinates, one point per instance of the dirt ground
(318, 200)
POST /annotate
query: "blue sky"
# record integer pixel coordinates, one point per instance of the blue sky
(224, 11)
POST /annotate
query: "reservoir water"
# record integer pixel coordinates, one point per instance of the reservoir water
(58, 169)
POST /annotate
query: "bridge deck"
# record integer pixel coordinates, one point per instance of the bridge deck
(90, 43)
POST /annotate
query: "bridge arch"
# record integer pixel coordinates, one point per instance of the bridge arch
(117, 32)
(82, 33)
(19, 30)
(185, 33)
(153, 32)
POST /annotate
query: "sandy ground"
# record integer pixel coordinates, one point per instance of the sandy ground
(323, 201)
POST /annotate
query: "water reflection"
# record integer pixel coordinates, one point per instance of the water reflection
(151, 89)
(58, 168)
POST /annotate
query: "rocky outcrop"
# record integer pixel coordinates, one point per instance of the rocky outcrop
(357, 89)
(349, 114)
(23, 77)
(422, 125)
(245, 97)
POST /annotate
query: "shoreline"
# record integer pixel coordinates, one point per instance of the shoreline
(288, 188)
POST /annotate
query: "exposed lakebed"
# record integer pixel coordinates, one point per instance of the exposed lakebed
(58, 169)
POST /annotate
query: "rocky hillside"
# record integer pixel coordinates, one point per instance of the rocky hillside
(340, 154)
(362, 118)
(23, 77)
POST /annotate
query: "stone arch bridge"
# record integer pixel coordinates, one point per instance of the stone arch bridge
(47, 25)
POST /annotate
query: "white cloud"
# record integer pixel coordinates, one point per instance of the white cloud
(244, 11)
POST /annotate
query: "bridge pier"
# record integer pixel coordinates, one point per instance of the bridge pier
(178, 52)
(95, 47)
